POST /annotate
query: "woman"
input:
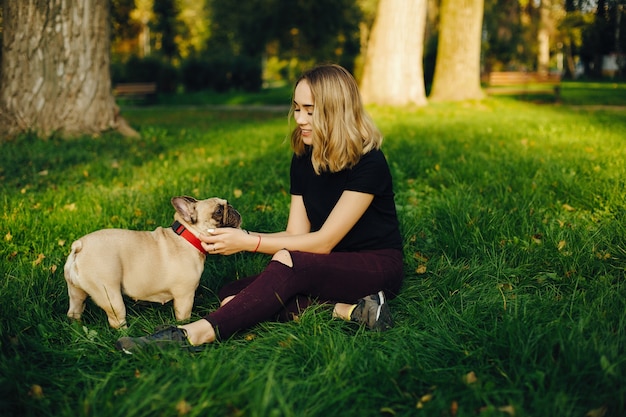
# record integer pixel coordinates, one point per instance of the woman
(342, 243)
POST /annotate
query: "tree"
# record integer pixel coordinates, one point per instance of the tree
(457, 70)
(393, 72)
(55, 75)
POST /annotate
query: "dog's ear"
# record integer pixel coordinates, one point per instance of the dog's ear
(186, 207)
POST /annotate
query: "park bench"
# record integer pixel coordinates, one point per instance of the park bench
(142, 91)
(523, 83)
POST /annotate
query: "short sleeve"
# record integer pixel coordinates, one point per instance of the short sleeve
(371, 175)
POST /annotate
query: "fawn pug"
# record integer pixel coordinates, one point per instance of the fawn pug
(158, 266)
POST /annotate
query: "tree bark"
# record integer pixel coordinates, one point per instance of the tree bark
(457, 68)
(55, 75)
(393, 73)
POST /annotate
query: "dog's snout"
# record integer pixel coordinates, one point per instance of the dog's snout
(232, 218)
(227, 216)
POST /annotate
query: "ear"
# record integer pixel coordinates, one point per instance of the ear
(186, 207)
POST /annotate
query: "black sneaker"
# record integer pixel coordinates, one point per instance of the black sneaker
(164, 336)
(373, 311)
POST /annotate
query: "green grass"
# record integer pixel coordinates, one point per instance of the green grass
(514, 218)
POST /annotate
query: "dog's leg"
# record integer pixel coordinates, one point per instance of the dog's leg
(183, 305)
(112, 302)
(76, 294)
(77, 301)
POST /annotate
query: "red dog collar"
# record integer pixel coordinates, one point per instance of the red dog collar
(181, 230)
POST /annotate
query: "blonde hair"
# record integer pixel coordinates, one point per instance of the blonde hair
(342, 130)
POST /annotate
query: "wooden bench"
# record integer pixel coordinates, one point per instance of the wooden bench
(524, 83)
(136, 90)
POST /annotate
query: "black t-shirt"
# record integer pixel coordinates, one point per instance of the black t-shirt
(378, 227)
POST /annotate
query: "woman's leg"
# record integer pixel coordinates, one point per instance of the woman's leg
(336, 277)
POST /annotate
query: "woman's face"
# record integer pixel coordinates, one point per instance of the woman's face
(303, 110)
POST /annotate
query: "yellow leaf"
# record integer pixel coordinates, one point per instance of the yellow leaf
(470, 378)
(183, 408)
(537, 238)
(61, 242)
(39, 259)
(567, 207)
(36, 391)
(70, 207)
(509, 409)
(8, 237)
(426, 397)
(437, 167)
(421, 269)
(597, 412)
(237, 193)
(53, 269)
(418, 256)
(561, 245)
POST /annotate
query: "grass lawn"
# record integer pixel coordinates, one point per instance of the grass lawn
(514, 303)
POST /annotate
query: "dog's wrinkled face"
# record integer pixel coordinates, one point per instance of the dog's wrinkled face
(206, 214)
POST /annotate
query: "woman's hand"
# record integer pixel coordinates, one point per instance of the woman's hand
(226, 241)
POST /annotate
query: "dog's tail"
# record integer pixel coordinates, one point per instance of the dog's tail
(70, 269)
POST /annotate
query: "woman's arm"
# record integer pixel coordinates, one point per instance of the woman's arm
(343, 217)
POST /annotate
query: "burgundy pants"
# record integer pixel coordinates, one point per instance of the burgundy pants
(281, 291)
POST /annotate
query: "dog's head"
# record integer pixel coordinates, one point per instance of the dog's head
(205, 214)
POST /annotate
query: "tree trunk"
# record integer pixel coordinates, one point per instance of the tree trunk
(543, 38)
(393, 72)
(55, 75)
(457, 68)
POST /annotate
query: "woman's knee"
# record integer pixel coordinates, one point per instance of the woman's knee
(284, 257)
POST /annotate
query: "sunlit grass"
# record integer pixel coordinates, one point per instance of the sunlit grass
(514, 219)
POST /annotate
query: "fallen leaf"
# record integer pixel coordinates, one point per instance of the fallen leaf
(509, 409)
(43, 173)
(237, 193)
(8, 237)
(597, 412)
(61, 242)
(567, 207)
(454, 408)
(39, 259)
(561, 245)
(70, 207)
(387, 410)
(419, 257)
(421, 269)
(470, 378)
(53, 269)
(183, 408)
(36, 391)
